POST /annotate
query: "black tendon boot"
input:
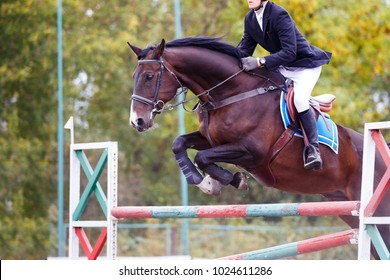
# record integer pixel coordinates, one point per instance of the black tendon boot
(311, 154)
(189, 170)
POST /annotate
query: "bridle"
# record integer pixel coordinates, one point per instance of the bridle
(157, 104)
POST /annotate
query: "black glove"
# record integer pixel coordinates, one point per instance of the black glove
(250, 63)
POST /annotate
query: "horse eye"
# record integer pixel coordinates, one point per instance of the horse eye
(149, 76)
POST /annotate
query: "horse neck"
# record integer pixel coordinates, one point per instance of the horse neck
(201, 70)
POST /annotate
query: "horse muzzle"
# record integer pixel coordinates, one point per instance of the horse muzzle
(141, 121)
(140, 124)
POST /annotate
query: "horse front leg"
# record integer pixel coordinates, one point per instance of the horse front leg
(193, 140)
(229, 153)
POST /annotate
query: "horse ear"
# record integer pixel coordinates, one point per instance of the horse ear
(135, 49)
(160, 48)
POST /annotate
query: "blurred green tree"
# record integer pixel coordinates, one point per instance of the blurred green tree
(27, 127)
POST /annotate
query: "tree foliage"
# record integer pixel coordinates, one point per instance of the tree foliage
(97, 85)
(27, 126)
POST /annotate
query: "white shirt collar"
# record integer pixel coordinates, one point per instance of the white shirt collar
(259, 15)
(260, 11)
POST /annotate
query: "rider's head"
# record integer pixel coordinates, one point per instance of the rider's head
(255, 4)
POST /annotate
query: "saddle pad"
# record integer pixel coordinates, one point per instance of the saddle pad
(327, 129)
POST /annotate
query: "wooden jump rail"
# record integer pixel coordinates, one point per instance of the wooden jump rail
(239, 211)
(315, 244)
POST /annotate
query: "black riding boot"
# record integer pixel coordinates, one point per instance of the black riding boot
(311, 154)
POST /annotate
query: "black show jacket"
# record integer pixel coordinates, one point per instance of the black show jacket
(280, 36)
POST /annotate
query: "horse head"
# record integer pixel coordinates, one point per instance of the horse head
(154, 85)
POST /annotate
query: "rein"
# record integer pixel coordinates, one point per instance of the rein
(206, 92)
(159, 105)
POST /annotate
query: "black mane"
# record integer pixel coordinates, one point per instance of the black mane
(211, 43)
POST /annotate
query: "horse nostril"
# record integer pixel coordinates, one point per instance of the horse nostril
(140, 122)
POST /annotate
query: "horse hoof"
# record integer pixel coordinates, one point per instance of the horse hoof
(240, 181)
(210, 186)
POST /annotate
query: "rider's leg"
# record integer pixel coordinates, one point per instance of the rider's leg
(312, 156)
(304, 82)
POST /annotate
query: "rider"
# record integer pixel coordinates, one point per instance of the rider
(271, 26)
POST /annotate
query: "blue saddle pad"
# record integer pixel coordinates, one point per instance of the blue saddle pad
(327, 129)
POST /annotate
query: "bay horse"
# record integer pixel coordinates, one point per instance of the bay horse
(241, 131)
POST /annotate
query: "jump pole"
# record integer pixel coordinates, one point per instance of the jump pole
(239, 211)
(315, 244)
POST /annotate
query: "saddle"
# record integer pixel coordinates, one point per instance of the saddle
(321, 104)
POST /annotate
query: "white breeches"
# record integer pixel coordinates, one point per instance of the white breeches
(304, 81)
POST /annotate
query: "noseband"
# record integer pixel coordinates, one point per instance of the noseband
(157, 104)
